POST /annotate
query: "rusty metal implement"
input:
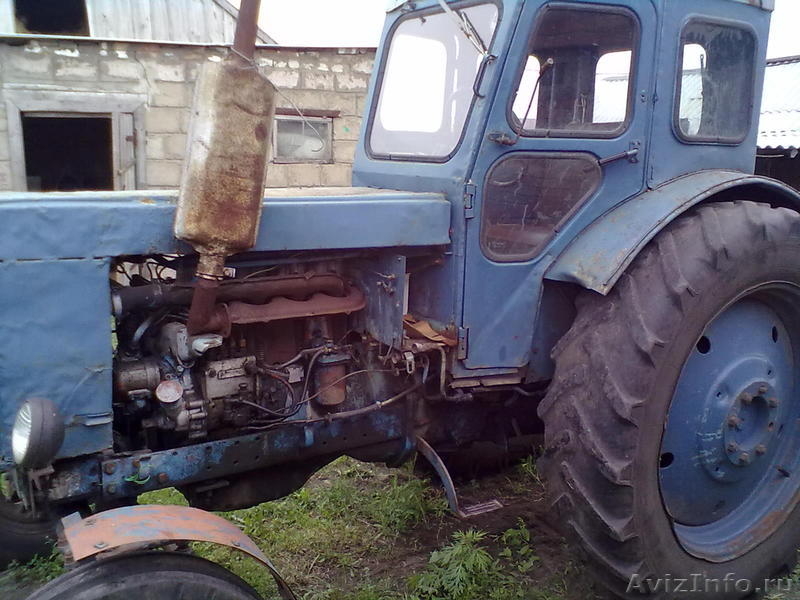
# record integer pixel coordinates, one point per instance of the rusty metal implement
(149, 525)
(222, 187)
(438, 465)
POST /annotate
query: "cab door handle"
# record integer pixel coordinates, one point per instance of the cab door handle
(631, 155)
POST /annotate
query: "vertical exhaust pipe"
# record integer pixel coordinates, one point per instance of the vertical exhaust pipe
(222, 186)
(244, 40)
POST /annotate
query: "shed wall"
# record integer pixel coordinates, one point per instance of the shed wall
(155, 84)
(185, 21)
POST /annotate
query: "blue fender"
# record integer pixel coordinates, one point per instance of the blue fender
(134, 527)
(599, 255)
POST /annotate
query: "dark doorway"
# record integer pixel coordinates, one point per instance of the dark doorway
(781, 165)
(58, 17)
(68, 153)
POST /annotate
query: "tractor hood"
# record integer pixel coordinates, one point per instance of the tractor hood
(102, 224)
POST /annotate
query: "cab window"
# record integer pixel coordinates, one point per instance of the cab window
(578, 76)
(715, 83)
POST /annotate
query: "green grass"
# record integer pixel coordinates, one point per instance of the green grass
(361, 532)
(39, 570)
(328, 533)
(466, 569)
(786, 589)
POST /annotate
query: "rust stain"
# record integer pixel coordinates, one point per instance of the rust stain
(220, 202)
(147, 524)
(256, 291)
(333, 388)
(423, 329)
(281, 308)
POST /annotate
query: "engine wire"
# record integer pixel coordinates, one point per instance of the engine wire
(344, 415)
(308, 372)
(295, 406)
(359, 372)
(284, 382)
(270, 412)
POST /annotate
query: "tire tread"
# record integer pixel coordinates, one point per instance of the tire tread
(603, 364)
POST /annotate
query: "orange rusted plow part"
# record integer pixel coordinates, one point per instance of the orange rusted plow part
(148, 525)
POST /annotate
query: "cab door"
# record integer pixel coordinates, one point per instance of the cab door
(565, 141)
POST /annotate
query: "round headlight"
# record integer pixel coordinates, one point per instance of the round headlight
(21, 434)
(37, 434)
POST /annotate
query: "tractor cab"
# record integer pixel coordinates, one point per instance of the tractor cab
(536, 118)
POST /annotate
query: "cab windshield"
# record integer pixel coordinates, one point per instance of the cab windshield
(427, 87)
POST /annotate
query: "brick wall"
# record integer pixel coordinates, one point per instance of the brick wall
(163, 77)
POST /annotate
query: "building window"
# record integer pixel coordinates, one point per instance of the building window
(303, 139)
(68, 152)
(75, 140)
(715, 85)
(51, 17)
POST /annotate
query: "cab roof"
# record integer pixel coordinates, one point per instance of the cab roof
(762, 4)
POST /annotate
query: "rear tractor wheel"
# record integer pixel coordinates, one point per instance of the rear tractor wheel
(673, 421)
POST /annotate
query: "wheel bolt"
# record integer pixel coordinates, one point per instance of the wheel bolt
(744, 458)
(746, 398)
(761, 449)
(772, 402)
(734, 421)
(763, 389)
(733, 447)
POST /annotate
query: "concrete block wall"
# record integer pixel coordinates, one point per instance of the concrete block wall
(164, 76)
(323, 79)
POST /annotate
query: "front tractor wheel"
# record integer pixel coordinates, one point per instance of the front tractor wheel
(23, 534)
(673, 421)
(149, 576)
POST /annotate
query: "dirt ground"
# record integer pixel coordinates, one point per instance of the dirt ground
(523, 502)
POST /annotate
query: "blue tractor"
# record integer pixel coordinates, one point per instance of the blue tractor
(555, 226)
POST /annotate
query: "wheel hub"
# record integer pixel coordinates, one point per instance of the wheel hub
(729, 451)
(744, 430)
(750, 428)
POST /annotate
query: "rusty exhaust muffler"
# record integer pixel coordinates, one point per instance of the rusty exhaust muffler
(223, 179)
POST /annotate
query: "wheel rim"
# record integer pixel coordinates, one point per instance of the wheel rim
(730, 452)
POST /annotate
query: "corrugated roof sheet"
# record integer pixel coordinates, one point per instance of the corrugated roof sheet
(780, 109)
(178, 21)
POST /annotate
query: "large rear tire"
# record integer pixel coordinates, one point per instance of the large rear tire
(148, 576)
(672, 445)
